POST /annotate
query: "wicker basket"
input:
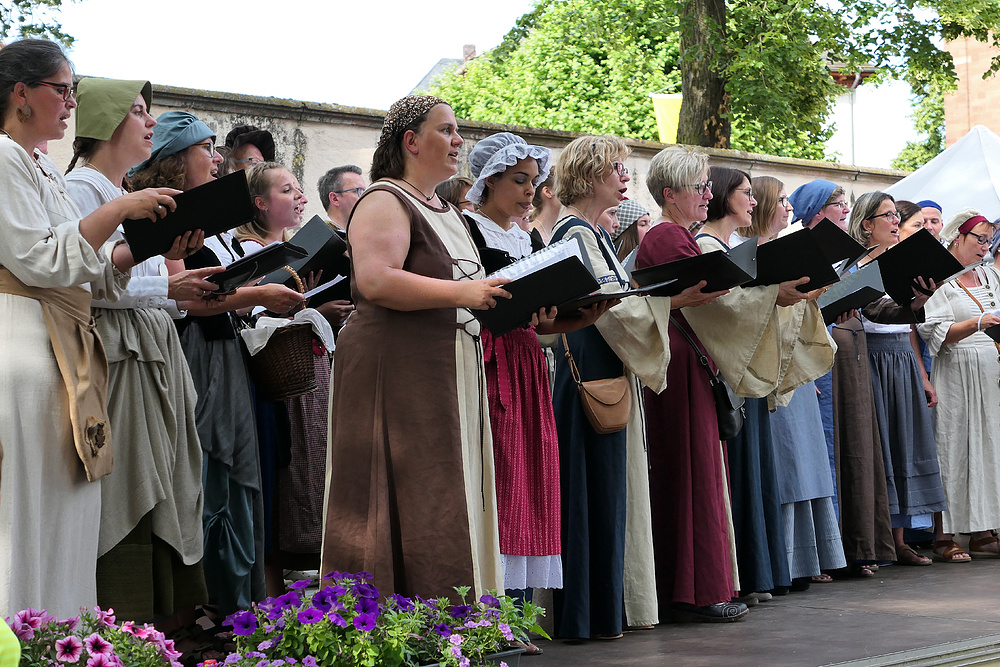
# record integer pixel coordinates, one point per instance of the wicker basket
(284, 368)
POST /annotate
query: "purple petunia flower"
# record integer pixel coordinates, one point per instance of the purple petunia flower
(461, 612)
(365, 591)
(255, 654)
(463, 662)
(309, 661)
(299, 585)
(69, 649)
(366, 606)
(457, 652)
(337, 590)
(505, 631)
(264, 645)
(365, 576)
(291, 661)
(97, 644)
(288, 600)
(23, 631)
(490, 601)
(323, 600)
(310, 616)
(455, 639)
(403, 604)
(71, 623)
(29, 617)
(232, 657)
(441, 629)
(244, 623)
(364, 622)
(337, 619)
(106, 618)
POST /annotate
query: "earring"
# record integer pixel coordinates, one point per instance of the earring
(23, 114)
(866, 234)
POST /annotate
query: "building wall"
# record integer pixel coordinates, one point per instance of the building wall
(977, 100)
(311, 138)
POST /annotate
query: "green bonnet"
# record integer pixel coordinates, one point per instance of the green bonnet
(104, 103)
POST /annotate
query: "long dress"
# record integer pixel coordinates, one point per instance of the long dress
(965, 375)
(233, 512)
(691, 538)
(906, 430)
(152, 569)
(525, 442)
(865, 524)
(629, 339)
(805, 486)
(410, 491)
(49, 512)
(767, 356)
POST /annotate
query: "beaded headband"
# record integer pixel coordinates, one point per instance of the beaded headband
(405, 111)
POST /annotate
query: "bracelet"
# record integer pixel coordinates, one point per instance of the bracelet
(979, 322)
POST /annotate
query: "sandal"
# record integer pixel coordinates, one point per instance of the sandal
(976, 545)
(905, 555)
(950, 552)
(822, 579)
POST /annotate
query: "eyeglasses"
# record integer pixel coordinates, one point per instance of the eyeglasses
(747, 191)
(64, 89)
(981, 238)
(208, 146)
(889, 216)
(620, 168)
(838, 204)
(253, 159)
(783, 201)
(700, 187)
(357, 191)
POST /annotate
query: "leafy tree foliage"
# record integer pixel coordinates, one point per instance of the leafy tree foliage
(31, 18)
(585, 66)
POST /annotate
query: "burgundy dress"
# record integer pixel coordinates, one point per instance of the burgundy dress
(687, 483)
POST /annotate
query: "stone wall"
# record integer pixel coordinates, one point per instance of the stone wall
(312, 138)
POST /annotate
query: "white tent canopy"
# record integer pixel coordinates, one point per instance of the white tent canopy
(965, 175)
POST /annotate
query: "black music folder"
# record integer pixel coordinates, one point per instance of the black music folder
(248, 269)
(993, 332)
(720, 270)
(794, 256)
(214, 207)
(839, 246)
(856, 290)
(919, 255)
(549, 277)
(327, 252)
(584, 301)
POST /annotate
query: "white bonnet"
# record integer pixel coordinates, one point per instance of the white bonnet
(494, 154)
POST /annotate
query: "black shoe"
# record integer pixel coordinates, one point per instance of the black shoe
(724, 612)
(800, 584)
(779, 590)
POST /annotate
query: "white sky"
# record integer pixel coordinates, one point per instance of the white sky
(365, 53)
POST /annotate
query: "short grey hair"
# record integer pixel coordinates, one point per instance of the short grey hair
(674, 167)
(333, 180)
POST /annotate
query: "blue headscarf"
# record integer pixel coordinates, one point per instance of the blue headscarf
(174, 131)
(927, 203)
(808, 199)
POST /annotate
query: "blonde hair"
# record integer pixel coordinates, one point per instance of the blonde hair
(765, 191)
(584, 159)
(259, 181)
(674, 167)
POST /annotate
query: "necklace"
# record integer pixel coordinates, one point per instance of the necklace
(418, 189)
(582, 216)
(95, 168)
(483, 213)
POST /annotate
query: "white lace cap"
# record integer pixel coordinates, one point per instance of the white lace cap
(494, 154)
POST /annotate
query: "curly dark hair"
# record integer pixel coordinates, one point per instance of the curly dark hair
(165, 173)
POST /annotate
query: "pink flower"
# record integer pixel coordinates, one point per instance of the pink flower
(105, 618)
(128, 626)
(69, 649)
(29, 617)
(98, 645)
(100, 660)
(71, 623)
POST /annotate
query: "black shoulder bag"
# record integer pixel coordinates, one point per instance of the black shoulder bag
(728, 406)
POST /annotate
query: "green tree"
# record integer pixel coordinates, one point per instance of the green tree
(32, 18)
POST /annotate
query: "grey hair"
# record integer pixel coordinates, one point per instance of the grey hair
(674, 167)
(333, 180)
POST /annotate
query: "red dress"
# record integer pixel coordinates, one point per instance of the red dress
(686, 480)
